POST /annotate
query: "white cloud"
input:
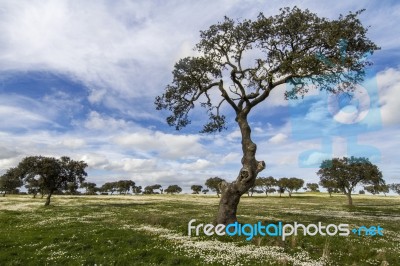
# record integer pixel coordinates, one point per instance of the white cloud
(96, 121)
(389, 87)
(133, 165)
(199, 164)
(278, 138)
(95, 160)
(73, 143)
(166, 145)
(15, 117)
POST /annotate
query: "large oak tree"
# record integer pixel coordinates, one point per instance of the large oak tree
(241, 62)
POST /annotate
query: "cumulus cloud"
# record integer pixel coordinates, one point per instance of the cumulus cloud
(278, 138)
(166, 145)
(389, 87)
(199, 164)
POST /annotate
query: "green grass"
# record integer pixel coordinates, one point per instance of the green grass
(152, 230)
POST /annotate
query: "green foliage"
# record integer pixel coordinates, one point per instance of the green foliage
(290, 184)
(313, 187)
(10, 181)
(395, 188)
(266, 184)
(90, 187)
(377, 188)
(150, 189)
(50, 175)
(213, 184)
(196, 189)
(173, 189)
(291, 47)
(345, 173)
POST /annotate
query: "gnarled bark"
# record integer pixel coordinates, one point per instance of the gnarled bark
(231, 192)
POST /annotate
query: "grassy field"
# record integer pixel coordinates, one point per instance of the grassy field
(152, 230)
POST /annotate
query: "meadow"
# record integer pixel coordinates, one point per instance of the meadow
(152, 230)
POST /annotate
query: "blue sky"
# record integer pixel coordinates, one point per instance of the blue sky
(78, 78)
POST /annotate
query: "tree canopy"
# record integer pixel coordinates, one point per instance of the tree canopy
(345, 173)
(10, 181)
(213, 183)
(245, 60)
(290, 184)
(196, 189)
(51, 174)
(173, 189)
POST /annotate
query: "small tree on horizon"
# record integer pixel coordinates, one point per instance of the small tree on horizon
(395, 188)
(214, 183)
(173, 189)
(313, 187)
(346, 173)
(266, 184)
(196, 189)
(290, 184)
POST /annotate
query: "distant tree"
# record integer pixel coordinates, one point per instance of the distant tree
(376, 189)
(395, 188)
(157, 187)
(271, 190)
(205, 191)
(53, 174)
(72, 188)
(266, 183)
(361, 192)
(124, 186)
(33, 186)
(313, 187)
(137, 189)
(290, 184)
(173, 189)
(150, 189)
(109, 187)
(213, 183)
(10, 181)
(90, 188)
(196, 189)
(330, 185)
(348, 172)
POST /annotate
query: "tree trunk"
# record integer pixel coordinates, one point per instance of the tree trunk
(231, 192)
(4, 194)
(349, 198)
(48, 200)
